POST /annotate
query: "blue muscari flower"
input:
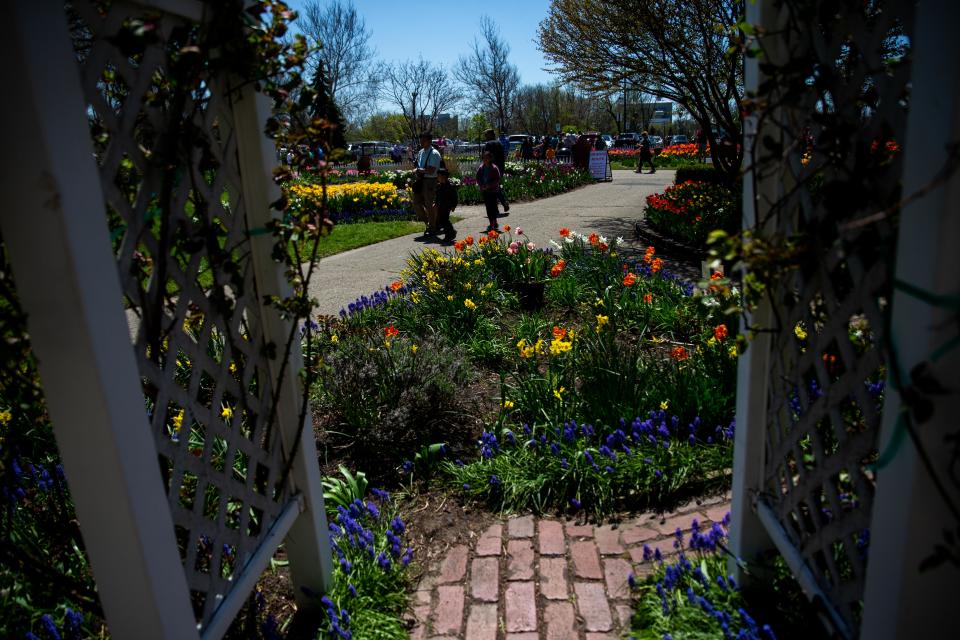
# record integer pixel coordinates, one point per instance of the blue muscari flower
(564, 464)
(526, 429)
(647, 553)
(768, 632)
(494, 480)
(575, 503)
(408, 466)
(726, 519)
(732, 582)
(632, 580)
(587, 456)
(510, 437)
(657, 556)
(609, 469)
(407, 557)
(458, 462)
(488, 445)
(397, 525)
(382, 495)
(722, 583)
(569, 432)
(346, 565)
(466, 486)
(352, 589)
(373, 510)
(691, 596)
(30, 635)
(384, 560)
(657, 473)
(692, 440)
(554, 449)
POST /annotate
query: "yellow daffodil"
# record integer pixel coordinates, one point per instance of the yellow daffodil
(732, 351)
(5, 417)
(178, 420)
(508, 404)
(450, 298)
(226, 413)
(602, 321)
(665, 405)
(558, 393)
(334, 339)
(413, 348)
(558, 347)
(800, 331)
(415, 297)
(233, 368)
(468, 303)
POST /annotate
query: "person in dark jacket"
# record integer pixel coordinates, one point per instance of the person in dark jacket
(488, 179)
(495, 147)
(447, 201)
(646, 153)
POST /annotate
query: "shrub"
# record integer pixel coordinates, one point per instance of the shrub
(700, 173)
(391, 392)
(689, 211)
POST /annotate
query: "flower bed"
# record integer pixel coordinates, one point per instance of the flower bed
(352, 201)
(689, 211)
(619, 391)
(672, 157)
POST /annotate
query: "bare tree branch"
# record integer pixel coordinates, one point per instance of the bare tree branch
(490, 79)
(421, 91)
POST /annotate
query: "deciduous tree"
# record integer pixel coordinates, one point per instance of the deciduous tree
(682, 50)
(421, 90)
(491, 81)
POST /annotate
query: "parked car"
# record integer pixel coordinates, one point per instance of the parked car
(608, 139)
(679, 139)
(628, 139)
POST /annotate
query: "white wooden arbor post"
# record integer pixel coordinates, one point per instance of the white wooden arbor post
(748, 536)
(54, 226)
(55, 231)
(909, 517)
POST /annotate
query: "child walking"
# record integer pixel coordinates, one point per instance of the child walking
(488, 179)
(447, 201)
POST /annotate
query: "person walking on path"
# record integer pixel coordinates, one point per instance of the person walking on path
(646, 154)
(447, 201)
(424, 196)
(488, 179)
(496, 148)
(701, 138)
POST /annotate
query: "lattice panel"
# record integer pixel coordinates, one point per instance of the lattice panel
(166, 150)
(825, 389)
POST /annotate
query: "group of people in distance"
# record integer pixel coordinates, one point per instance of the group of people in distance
(434, 198)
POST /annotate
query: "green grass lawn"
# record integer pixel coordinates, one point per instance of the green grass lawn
(352, 236)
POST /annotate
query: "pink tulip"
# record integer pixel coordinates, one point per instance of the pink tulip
(519, 231)
(531, 246)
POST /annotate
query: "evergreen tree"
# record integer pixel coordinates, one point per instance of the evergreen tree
(326, 128)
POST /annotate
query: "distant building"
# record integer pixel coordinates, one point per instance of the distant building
(662, 113)
(445, 121)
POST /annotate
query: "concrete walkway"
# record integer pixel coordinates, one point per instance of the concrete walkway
(526, 578)
(609, 208)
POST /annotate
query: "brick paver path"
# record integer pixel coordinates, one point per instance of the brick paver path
(527, 578)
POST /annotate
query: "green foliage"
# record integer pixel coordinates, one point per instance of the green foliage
(701, 173)
(529, 181)
(341, 493)
(371, 562)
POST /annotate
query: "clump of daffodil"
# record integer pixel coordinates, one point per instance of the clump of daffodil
(558, 393)
(508, 404)
(528, 350)
(602, 321)
(469, 304)
(226, 412)
(800, 331)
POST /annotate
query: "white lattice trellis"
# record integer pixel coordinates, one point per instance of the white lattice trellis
(809, 399)
(208, 366)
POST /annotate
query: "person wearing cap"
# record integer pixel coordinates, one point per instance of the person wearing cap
(426, 164)
(447, 201)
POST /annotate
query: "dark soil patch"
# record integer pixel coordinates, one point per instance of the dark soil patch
(437, 520)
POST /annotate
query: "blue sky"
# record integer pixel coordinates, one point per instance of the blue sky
(443, 31)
